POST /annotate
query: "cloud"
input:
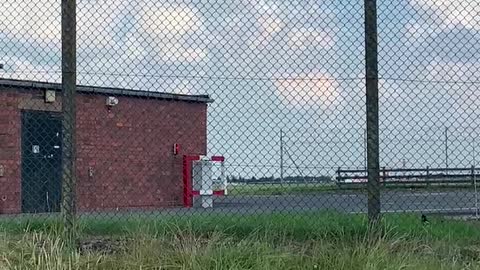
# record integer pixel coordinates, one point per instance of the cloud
(304, 38)
(268, 17)
(453, 12)
(445, 93)
(21, 69)
(417, 32)
(268, 21)
(183, 87)
(97, 22)
(453, 72)
(167, 22)
(270, 25)
(316, 88)
(160, 30)
(176, 52)
(24, 70)
(170, 31)
(422, 34)
(40, 21)
(31, 21)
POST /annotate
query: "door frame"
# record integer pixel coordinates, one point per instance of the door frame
(45, 205)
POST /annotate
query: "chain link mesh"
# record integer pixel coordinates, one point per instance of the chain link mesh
(276, 88)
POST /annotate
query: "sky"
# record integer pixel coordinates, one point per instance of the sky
(295, 66)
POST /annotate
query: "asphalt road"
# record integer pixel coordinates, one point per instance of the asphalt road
(448, 202)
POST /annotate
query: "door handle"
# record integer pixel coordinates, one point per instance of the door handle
(48, 203)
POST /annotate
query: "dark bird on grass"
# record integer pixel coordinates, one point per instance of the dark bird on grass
(424, 219)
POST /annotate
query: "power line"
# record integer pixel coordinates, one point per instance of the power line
(430, 81)
(198, 77)
(246, 78)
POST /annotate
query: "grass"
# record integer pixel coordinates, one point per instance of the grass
(270, 241)
(280, 189)
(315, 188)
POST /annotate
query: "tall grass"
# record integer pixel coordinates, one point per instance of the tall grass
(314, 241)
(187, 249)
(301, 226)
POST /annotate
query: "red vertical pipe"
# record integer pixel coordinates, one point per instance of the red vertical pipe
(187, 180)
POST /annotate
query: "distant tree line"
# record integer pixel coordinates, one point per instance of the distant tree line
(287, 179)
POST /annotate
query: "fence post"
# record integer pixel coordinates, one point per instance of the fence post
(473, 176)
(427, 178)
(69, 114)
(384, 176)
(371, 72)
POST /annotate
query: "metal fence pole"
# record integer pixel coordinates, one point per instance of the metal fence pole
(281, 156)
(68, 108)
(371, 68)
(446, 150)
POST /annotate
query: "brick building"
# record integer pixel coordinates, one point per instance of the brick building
(124, 146)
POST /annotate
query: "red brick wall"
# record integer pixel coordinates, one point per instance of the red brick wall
(130, 148)
(127, 149)
(9, 153)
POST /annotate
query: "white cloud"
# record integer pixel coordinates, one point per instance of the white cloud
(134, 46)
(269, 7)
(452, 72)
(96, 21)
(20, 69)
(40, 21)
(184, 87)
(97, 27)
(175, 33)
(170, 21)
(316, 88)
(304, 38)
(441, 92)
(169, 27)
(270, 24)
(31, 21)
(267, 16)
(453, 12)
(177, 53)
(417, 32)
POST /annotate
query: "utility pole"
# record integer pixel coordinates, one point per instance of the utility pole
(365, 148)
(371, 72)
(69, 82)
(446, 148)
(474, 170)
(281, 156)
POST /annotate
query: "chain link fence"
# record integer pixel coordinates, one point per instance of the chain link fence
(239, 107)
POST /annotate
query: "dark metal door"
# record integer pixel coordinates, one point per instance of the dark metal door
(41, 161)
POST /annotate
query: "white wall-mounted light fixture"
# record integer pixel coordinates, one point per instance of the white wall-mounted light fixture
(112, 101)
(50, 96)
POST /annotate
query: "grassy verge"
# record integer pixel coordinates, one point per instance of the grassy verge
(280, 189)
(314, 188)
(273, 241)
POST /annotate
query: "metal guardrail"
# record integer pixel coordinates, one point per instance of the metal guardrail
(414, 177)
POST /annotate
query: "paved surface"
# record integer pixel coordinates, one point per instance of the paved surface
(450, 202)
